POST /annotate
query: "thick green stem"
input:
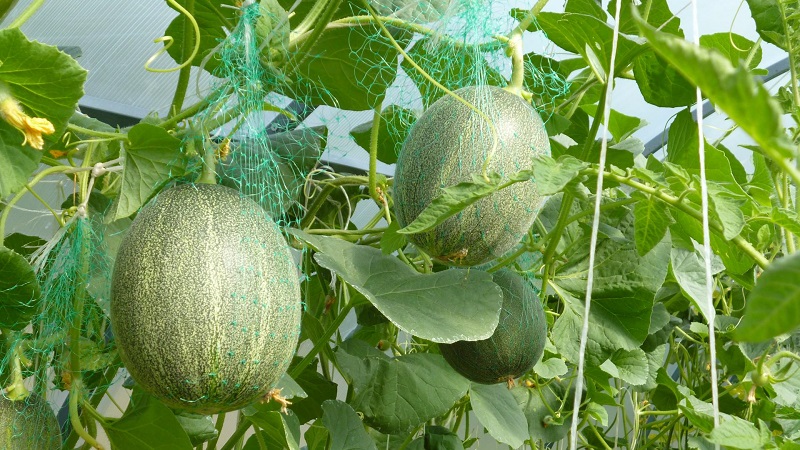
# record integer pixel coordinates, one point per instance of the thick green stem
(29, 11)
(209, 174)
(373, 154)
(101, 134)
(74, 417)
(186, 113)
(319, 27)
(186, 71)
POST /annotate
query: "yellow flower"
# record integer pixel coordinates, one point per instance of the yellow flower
(31, 127)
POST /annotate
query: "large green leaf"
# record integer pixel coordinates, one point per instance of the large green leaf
(397, 394)
(773, 307)
(499, 413)
(734, 432)
(651, 221)
(732, 89)
(769, 22)
(350, 68)
(688, 268)
(199, 427)
(345, 427)
(629, 366)
(552, 176)
(19, 290)
(213, 20)
(48, 84)
(683, 149)
(145, 412)
(589, 37)
(735, 47)
(392, 131)
(154, 156)
(660, 82)
(318, 388)
(445, 307)
(589, 7)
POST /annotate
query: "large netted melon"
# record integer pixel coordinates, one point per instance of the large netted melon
(517, 343)
(447, 145)
(205, 301)
(28, 424)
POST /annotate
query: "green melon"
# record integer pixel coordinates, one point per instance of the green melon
(28, 425)
(517, 343)
(446, 146)
(205, 304)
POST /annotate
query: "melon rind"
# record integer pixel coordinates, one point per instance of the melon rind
(446, 146)
(28, 424)
(206, 300)
(517, 343)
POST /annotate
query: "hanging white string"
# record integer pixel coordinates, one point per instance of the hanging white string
(573, 441)
(706, 235)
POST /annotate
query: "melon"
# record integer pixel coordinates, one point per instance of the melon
(205, 299)
(449, 144)
(28, 424)
(517, 343)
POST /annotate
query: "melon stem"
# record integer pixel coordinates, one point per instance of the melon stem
(209, 173)
(373, 153)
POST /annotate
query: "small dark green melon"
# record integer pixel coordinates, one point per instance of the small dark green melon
(28, 424)
(517, 343)
(205, 304)
(447, 145)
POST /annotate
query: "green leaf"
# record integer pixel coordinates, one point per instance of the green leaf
(48, 84)
(199, 427)
(589, 37)
(345, 427)
(550, 368)
(316, 436)
(735, 47)
(773, 307)
(318, 388)
(622, 126)
(734, 259)
(397, 394)
(538, 408)
(145, 412)
(499, 413)
(458, 304)
(739, 433)
(392, 131)
(154, 157)
(699, 413)
(552, 176)
(425, 11)
(726, 207)
(20, 294)
(629, 366)
(391, 240)
(598, 413)
(651, 222)
(23, 244)
(451, 201)
(441, 438)
(214, 22)
(290, 388)
(589, 7)
(350, 68)
(658, 15)
(464, 66)
(279, 430)
(732, 89)
(769, 22)
(688, 267)
(660, 82)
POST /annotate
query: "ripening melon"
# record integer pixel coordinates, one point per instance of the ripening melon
(205, 302)
(517, 343)
(447, 145)
(28, 424)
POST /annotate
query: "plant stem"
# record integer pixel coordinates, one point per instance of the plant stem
(331, 6)
(37, 178)
(237, 435)
(373, 153)
(188, 112)
(29, 11)
(75, 421)
(322, 342)
(330, 185)
(209, 173)
(101, 134)
(676, 203)
(186, 70)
